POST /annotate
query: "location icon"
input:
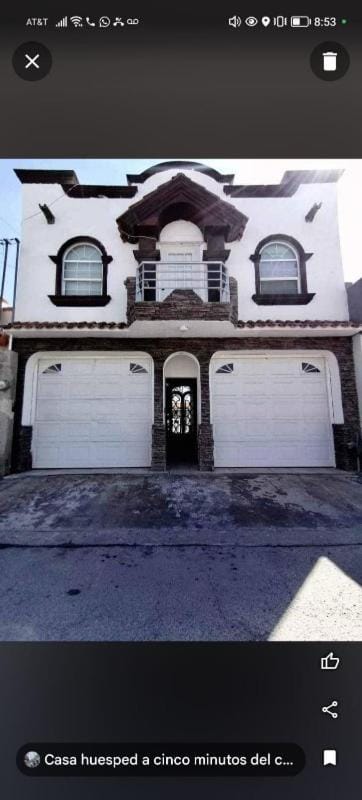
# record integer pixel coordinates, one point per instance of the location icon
(266, 21)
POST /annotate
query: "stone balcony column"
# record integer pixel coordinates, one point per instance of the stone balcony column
(158, 427)
(205, 432)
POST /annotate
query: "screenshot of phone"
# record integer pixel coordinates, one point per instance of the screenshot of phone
(180, 401)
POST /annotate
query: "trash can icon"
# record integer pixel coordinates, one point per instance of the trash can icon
(330, 61)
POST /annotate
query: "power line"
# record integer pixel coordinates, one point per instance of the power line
(9, 225)
(66, 194)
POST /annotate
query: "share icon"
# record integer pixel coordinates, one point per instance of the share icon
(328, 709)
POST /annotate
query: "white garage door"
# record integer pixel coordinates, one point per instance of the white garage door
(271, 411)
(93, 412)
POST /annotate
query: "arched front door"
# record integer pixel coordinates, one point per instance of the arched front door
(181, 420)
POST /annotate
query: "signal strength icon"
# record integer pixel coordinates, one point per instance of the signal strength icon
(63, 23)
(77, 22)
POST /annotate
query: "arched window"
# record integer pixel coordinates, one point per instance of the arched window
(280, 272)
(279, 269)
(82, 270)
(81, 273)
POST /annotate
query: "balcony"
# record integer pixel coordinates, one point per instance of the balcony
(157, 280)
(181, 290)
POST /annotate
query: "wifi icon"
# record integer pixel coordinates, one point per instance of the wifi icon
(77, 22)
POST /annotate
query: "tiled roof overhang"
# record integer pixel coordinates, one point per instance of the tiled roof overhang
(251, 324)
(64, 326)
(181, 198)
(297, 323)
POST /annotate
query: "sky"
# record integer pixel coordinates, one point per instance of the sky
(247, 171)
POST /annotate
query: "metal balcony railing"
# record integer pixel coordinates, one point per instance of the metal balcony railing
(157, 279)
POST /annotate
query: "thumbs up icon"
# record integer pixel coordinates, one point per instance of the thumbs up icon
(329, 662)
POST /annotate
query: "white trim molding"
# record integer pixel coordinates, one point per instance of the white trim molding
(191, 357)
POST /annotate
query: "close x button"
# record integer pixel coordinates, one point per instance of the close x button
(32, 61)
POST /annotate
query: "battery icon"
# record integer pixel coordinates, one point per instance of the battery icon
(300, 22)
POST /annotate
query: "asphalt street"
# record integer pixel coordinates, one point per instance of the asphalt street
(181, 557)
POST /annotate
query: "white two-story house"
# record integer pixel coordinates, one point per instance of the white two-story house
(182, 319)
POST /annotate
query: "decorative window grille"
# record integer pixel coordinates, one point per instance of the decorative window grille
(136, 369)
(227, 368)
(307, 367)
(52, 369)
(181, 410)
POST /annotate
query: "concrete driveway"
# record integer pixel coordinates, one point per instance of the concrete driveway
(181, 557)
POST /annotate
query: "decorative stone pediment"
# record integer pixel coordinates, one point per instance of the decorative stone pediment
(181, 198)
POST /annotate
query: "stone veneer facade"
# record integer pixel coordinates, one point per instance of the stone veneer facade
(181, 304)
(202, 349)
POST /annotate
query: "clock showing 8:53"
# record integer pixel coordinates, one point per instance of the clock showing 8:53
(325, 22)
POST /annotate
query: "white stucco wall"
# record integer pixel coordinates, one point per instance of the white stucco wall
(73, 217)
(97, 217)
(181, 231)
(181, 365)
(269, 216)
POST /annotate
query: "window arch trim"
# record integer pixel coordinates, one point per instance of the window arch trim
(303, 296)
(60, 299)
